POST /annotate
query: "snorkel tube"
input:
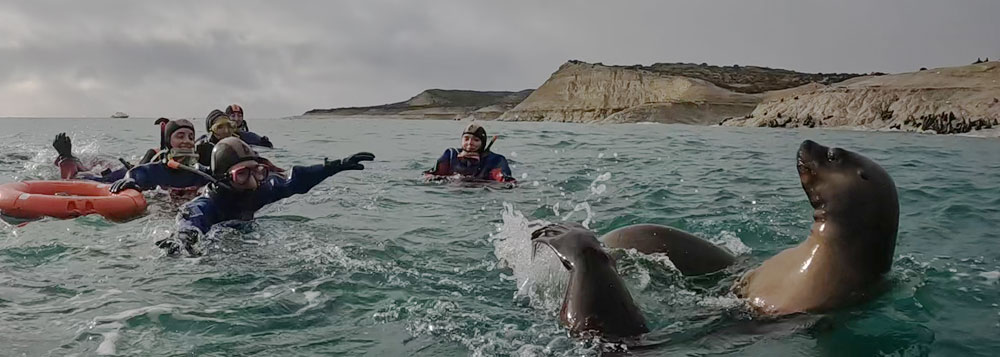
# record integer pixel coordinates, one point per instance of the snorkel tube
(162, 122)
(128, 165)
(487, 149)
(173, 164)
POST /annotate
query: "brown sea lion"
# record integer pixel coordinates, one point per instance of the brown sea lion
(596, 298)
(691, 255)
(850, 246)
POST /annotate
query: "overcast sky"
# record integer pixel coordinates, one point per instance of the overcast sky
(281, 58)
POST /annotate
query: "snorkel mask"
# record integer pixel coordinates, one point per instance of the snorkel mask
(223, 128)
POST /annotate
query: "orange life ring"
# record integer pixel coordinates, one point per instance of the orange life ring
(68, 199)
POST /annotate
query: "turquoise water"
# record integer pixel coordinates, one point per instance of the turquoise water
(378, 262)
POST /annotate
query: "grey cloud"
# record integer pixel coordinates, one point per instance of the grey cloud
(183, 58)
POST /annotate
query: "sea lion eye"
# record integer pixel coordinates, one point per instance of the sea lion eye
(862, 175)
(830, 156)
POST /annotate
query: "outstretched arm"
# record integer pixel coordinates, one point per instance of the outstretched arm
(304, 178)
(68, 164)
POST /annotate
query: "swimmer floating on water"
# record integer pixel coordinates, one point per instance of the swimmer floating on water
(70, 167)
(219, 127)
(235, 113)
(244, 183)
(177, 147)
(473, 160)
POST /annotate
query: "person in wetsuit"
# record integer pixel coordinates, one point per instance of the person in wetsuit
(235, 113)
(219, 127)
(157, 154)
(244, 183)
(473, 160)
(70, 167)
(177, 147)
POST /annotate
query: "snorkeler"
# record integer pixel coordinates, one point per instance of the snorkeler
(219, 127)
(235, 113)
(163, 169)
(474, 160)
(244, 183)
(158, 153)
(70, 167)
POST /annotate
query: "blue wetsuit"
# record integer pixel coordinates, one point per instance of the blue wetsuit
(490, 166)
(219, 205)
(252, 138)
(153, 174)
(248, 137)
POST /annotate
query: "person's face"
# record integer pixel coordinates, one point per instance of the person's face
(237, 118)
(222, 130)
(471, 143)
(247, 175)
(182, 138)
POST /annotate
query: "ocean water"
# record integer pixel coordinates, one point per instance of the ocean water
(380, 263)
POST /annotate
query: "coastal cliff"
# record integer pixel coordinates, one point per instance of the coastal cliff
(435, 104)
(943, 100)
(665, 92)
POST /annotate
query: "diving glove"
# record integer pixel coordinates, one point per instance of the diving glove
(63, 145)
(182, 239)
(124, 184)
(265, 142)
(352, 162)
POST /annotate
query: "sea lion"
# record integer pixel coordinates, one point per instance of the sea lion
(850, 246)
(690, 254)
(596, 297)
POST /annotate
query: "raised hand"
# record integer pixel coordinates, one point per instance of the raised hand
(63, 145)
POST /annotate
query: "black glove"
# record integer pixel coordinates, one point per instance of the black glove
(349, 163)
(124, 184)
(265, 142)
(63, 145)
(182, 239)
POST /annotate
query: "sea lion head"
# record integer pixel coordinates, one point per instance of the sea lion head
(854, 199)
(596, 297)
(571, 242)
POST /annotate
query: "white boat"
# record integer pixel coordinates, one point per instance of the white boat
(119, 115)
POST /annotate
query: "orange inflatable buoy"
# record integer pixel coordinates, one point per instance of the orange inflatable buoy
(68, 199)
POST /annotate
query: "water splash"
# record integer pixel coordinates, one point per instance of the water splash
(597, 187)
(540, 277)
(585, 207)
(731, 242)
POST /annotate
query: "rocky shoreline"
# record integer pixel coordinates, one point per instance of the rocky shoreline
(952, 100)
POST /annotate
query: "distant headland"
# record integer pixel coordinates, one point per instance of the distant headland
(942, 100)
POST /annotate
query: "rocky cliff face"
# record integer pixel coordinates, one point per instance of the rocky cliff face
(669, 93)
(436, 104)
(942, 100)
